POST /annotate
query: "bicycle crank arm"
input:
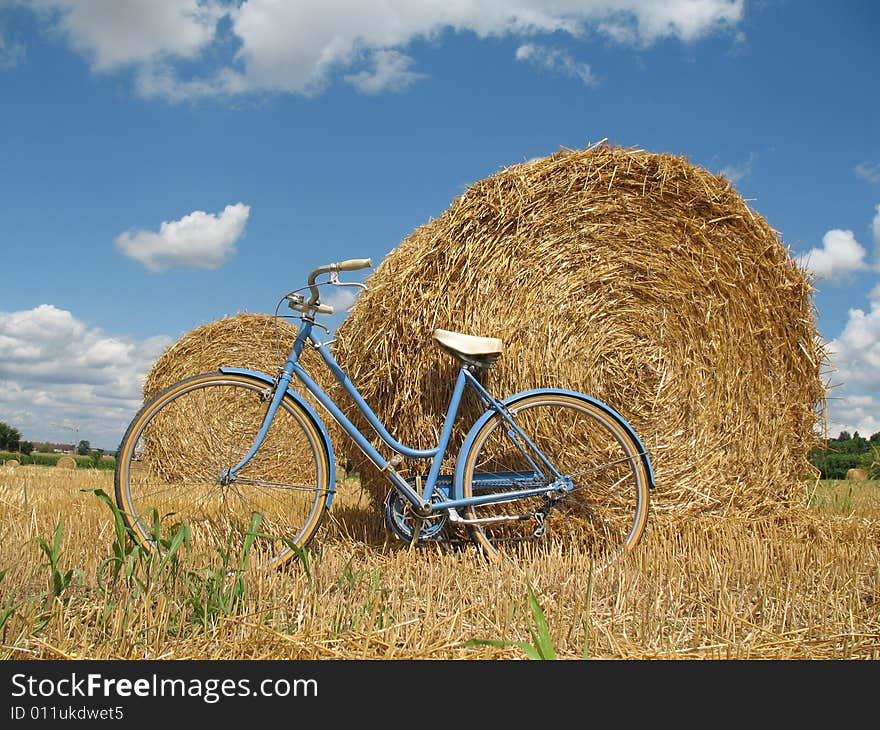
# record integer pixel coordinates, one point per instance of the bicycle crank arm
(458, 519)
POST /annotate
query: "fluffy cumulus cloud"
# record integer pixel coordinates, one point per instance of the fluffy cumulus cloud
(390, 71)
(300, 46)
(839, 256)
(855, 355)
(199, 240)
(113, 34)
(856, 413)
(342, 299)
(56, 369)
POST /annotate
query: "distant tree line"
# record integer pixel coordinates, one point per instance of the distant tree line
(836, 456)
(10, 440)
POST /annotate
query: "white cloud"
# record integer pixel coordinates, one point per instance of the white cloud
(198, 240)
(390, 72)
(854, 402)
(11, 53)
(55, 368)
(840, 255)
(113, 34)
(646, 21)
(854, 413)
(300, 47)
(876, 228)
(869, 171)
(738, 172)
(556, 60)
(342, 299)
(160, 80)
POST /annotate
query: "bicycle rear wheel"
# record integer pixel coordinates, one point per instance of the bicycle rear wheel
(174, 453)
(603, 514)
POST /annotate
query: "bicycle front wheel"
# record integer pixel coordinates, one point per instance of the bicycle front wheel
(173, 459)
(605, 509)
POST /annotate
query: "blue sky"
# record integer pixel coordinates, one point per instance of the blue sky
(164, 163)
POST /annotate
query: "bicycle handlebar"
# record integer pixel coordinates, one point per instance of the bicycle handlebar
(353, 264)
(347, 265)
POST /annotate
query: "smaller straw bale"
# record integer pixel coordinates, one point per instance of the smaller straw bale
(857, 475)
(66, 462)
(12, 463)
(243, 340)
(258, 342)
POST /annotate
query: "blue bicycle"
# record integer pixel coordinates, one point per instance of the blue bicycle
(240, 457)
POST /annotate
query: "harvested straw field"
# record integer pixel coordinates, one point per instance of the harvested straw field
(635, 277)
(802, 584)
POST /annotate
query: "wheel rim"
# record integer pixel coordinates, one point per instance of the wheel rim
(605, 512)
(181, 444)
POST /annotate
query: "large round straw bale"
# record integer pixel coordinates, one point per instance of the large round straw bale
(638, 278)
(66, 462)
(856, 475)
(12, 463)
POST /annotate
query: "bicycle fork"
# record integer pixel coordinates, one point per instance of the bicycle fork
(276, 393)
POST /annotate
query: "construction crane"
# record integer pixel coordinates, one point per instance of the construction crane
(68, 427)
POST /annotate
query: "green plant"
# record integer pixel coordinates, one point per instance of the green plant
(373, 611)
(349, 577)
(871, 462)
(220, 590)
(130, 559)
(8, 610)
(60, 580)
(541, 646)
(834, 495)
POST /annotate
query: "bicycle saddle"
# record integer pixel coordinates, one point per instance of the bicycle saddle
(481, 352)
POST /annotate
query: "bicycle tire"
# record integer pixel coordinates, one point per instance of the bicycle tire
(173, 453)
(605, 513)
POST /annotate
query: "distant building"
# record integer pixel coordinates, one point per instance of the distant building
(56, 448)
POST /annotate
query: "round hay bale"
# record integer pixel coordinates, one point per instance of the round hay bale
(66, 462)
(242, 340)
(12, 463)
(635, 277)
(245, 340)
(856, 475)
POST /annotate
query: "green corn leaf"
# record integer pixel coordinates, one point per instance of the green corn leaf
(541, 632)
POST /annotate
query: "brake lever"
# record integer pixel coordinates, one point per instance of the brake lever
(334, 279)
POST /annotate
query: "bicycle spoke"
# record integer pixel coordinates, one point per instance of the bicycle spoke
(276, 485)
(602, 514)
(181, 443)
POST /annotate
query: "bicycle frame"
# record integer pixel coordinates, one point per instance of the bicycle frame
(423, 501)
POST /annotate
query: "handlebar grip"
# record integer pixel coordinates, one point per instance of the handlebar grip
(354, 264)
(324, 309)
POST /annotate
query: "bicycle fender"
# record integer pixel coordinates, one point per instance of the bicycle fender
(513, 399)
(310, 412)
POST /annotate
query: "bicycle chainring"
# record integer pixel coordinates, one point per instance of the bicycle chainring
(403, 521)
